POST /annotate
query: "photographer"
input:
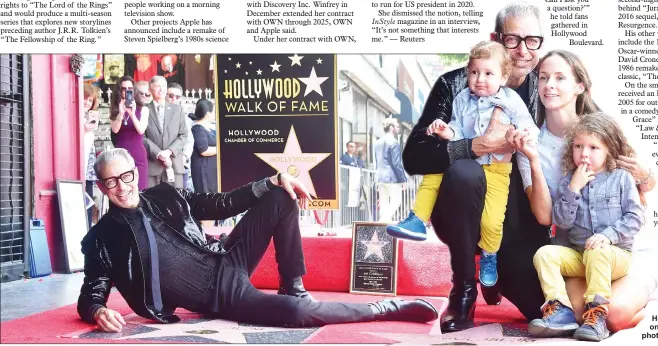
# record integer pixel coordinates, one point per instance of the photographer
(129, 121)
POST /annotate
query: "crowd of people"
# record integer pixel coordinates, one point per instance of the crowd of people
(167, 145)
(513, 137)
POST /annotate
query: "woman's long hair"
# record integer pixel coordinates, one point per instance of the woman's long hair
(608, 131)
(116, 96)
(584, 102)
(203, 107)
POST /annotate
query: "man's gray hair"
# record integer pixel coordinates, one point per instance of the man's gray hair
(158, 80)
(111, 155)
(517, 9)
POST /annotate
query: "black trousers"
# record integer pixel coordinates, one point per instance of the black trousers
(456, 219)
(276, 217)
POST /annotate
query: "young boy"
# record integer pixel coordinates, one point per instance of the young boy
(601, 209)
(488, 68)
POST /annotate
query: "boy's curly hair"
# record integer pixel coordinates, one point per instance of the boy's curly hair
(608, 131)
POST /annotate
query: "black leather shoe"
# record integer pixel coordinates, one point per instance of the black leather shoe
(396, 309)
(293, 287)
(461, 307)
(491, 294)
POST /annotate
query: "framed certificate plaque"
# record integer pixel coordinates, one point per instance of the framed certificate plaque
(374, 266)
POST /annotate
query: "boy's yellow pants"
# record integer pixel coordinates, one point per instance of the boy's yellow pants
(495, 202)
(599, 267)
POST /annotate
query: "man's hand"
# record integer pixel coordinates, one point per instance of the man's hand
(597, 241)
(493, 140)
(440, 128)
(580, 178)
(165, 156)
(295, 188)
(109, 320)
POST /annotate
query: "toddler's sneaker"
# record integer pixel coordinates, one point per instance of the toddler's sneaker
(558, 321)
(594, 327)
(411, 228)
(488, 269)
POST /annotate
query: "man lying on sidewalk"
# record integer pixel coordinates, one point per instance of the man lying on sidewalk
(149, 245)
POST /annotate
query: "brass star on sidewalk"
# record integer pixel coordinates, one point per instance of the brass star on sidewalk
(294, 161)
(490, 334)
(221, 331)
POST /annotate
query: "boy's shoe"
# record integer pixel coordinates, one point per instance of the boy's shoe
(558, 321)
(411, 228)
(594, 327)
(488, 269)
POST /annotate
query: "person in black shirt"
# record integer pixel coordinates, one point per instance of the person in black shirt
(462, 191)
(149, 245)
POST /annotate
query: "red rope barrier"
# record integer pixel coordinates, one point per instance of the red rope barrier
(320, 221)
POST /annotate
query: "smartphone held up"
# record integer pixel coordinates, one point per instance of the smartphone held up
(130, 98)
(92, 120)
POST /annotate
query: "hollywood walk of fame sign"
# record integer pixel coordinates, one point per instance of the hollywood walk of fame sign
(374, 268)
(277, 113)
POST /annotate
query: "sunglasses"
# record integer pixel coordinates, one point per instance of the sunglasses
(145, 94)
(174, 96)
(126, 177)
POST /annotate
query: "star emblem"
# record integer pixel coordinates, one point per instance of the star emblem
(250, 63)
(225, 71)
(246, 73)
(294, 161)
(220, 331)
(259, 72)
(374, 246)
(313, 83)
(489, 334)
(296, 60)
(275, 67)
(229, 58)
(319, 61)
(237, 65)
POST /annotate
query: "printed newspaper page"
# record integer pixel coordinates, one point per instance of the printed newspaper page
(433, 146)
